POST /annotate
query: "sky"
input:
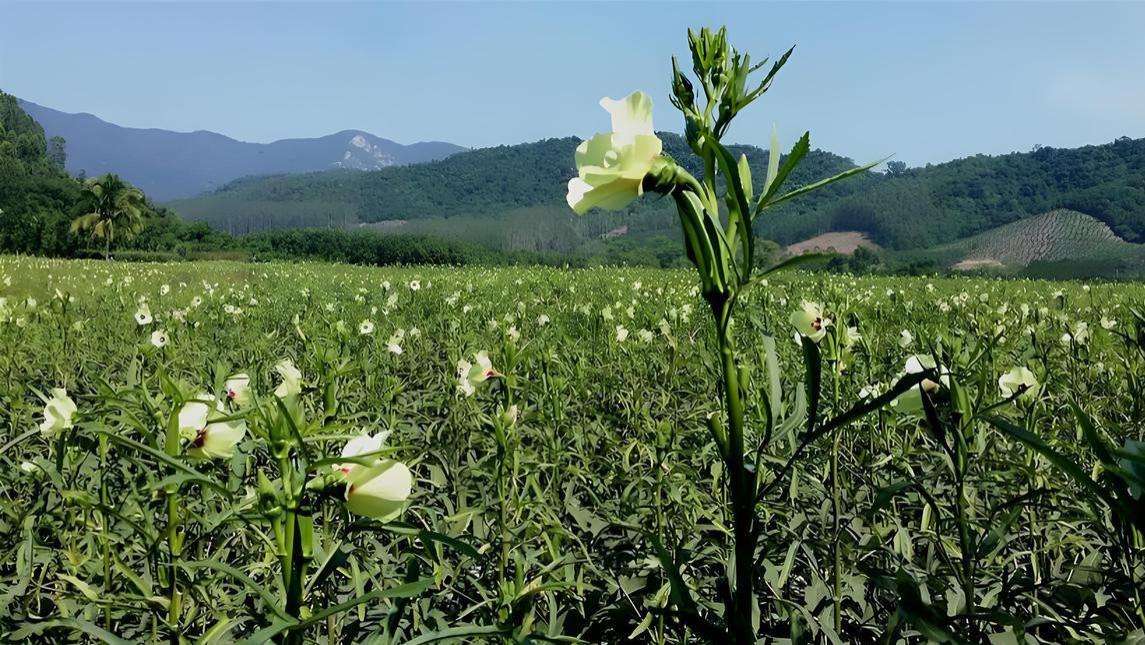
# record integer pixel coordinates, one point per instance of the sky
(923, 81)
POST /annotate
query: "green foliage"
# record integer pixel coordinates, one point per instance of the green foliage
(608, 476)
(361, 248)
(110, 209)
(36, 195)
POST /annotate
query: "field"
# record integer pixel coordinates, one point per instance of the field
(568, 490)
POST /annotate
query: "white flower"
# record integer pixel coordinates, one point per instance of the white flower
(209, 438)
(463, 383)
(238, 389)
(621, 334)
(1019, 379)
(366, 327)
(193, 415)
(377, 488)
(905, 339)
(469, 375)
(291, 384)
(808, 320)
(542, 320)
(159, 338)
(143, 315)
(414, 285)
(910, 402)
(611, 167)
(58, 413)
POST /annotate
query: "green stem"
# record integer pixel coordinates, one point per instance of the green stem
(838, 565)
(174, 539)
(105, 500)
(964, 545)
(740, 612)
(293, 559)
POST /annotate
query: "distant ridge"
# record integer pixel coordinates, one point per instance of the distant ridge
(171, 165)
(903, 209)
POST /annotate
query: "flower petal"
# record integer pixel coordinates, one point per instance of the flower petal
(631, 115)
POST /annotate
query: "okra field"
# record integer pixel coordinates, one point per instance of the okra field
(227, 452)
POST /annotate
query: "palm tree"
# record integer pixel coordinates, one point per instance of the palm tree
(111, 206)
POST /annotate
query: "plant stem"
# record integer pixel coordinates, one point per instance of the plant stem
(739, 614)
(964, 544)
(174, 540)
(293, 560)
(835, 537)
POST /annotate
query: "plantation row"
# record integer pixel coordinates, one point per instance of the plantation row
(226, 452)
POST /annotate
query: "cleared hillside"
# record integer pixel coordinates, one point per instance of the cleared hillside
(1050, 237)
(838, 241)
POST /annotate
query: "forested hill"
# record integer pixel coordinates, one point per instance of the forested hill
(902, 208)
(35, 192)
(484, 183)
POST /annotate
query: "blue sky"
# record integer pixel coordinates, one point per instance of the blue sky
(924, 81)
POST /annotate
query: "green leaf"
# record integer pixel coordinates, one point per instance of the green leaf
(400, 591)
(883, 499)
(461, 632)
(424, 535)
(772, 160)
(1063, 463)
(165, 458)
(824, 182)
(34, 629)
(267, 598)
(798, 151)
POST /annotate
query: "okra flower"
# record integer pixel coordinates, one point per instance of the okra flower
(808, 320)
(291, 384)
(238, 389)
(1018, 380)
(910, 402)
(611, 166)
(209, 438)
(470, 375)
(143, 315)
(378, 488)
(159, 338)
(58, 413)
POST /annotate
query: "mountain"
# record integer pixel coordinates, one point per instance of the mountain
(904, 208)
(480, 185)
(169, 165)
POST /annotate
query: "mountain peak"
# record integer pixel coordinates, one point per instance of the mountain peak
(170, 165)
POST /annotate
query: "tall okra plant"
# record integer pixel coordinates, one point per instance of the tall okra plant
(718, 211)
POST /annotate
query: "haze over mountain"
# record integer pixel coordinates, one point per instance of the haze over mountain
(170, 165)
